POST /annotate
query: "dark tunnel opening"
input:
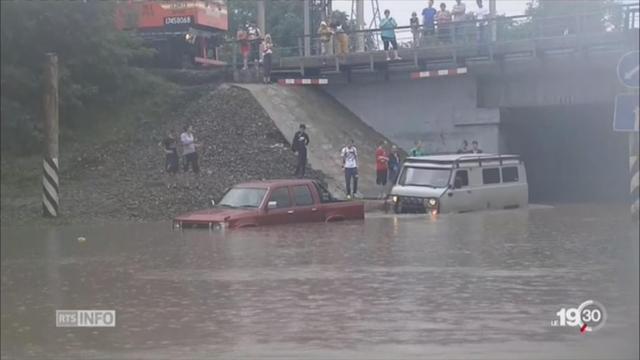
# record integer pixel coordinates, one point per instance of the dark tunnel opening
(571, 153)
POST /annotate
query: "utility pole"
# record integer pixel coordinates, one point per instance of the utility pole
(50, 182)
(307, 27)
(360, 24)
(492, 12)
(261, 17)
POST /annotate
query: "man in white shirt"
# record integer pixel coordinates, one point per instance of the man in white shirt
(482, 15)
(189, 149)
(350, 165)
(458, 14)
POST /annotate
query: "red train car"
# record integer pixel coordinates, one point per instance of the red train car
(184, 32)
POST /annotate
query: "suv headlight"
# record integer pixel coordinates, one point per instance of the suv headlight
(394, 198)
(431, 202)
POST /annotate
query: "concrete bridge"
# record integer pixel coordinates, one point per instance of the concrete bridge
(546, 94)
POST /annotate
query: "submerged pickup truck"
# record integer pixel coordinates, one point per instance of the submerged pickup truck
(273, 202)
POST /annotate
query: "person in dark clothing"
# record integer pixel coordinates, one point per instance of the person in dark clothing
(299, 146)
(394, 164)
(171, 153)
(464, 149)
(474, 147)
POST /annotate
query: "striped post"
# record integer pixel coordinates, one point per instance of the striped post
(50, 200)
(50, 182)
(633, 172)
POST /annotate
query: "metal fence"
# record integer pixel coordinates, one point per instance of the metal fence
(617, 18)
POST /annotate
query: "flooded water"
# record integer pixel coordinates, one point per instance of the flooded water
(482, 285)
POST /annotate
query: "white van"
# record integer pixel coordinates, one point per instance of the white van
(460, 183)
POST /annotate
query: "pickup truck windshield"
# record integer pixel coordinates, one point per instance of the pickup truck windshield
(243, 197)
(425, 177)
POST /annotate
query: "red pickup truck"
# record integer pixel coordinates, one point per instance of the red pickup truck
(273, 202)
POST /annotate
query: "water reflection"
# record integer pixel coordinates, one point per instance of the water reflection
(410, 285)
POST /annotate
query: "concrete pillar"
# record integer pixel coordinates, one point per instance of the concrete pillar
(360, 24)
(492, 12)
(261, 22)
(307, 27)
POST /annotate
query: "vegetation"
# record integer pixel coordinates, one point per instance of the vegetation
(93, 65)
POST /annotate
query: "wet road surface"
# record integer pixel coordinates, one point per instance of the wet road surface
(481, 285)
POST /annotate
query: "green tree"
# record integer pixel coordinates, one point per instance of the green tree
(93, 58)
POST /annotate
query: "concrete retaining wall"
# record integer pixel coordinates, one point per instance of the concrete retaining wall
(440, 111)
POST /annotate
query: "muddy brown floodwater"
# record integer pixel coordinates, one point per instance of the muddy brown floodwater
(481, 285)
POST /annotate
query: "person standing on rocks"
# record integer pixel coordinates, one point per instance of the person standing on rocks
(189, 149)
(350, 165)
(299, 146)
(171, 153)
(382, 166)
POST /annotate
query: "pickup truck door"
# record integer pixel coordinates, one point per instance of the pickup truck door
(306, 205)
(283, 213)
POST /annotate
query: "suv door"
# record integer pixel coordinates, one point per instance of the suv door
(305, 207)
(283, 212)
(459, 197)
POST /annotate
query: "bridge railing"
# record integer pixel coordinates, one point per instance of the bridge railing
(615, 18)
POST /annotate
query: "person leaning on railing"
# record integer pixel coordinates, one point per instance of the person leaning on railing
(326, 35)
(342, 37)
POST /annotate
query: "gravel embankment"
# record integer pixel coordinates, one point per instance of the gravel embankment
(125, 180)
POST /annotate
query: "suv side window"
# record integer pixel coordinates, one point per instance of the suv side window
(281, 196)
(491, 176)
(302, 195)
(510, 174)
(461, 179)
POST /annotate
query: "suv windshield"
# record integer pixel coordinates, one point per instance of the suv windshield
(243, 197)
(425, 177)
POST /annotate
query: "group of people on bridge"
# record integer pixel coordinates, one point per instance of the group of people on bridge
(438, 26)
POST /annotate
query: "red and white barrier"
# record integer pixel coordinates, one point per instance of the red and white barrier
(435, 73)
(303, 81)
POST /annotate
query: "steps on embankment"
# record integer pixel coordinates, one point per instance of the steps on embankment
(330, 125)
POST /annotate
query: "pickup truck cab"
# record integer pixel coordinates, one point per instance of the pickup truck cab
(273, 202)
(460, 183)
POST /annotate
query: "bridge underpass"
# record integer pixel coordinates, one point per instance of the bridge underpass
(571, 152)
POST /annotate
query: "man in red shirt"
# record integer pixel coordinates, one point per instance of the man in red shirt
(382, 166)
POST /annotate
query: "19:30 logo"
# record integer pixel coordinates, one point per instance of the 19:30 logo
(588, 317)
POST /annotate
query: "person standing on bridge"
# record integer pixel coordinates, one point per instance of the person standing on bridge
(245, 47)
(267, 50)
(388, 26)
(415, 29)
(444, 20)
(299, 146)
(343, 39)
(326, 35)
(458, 12)
(428, 22)
(350, 165)
(482, 14)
